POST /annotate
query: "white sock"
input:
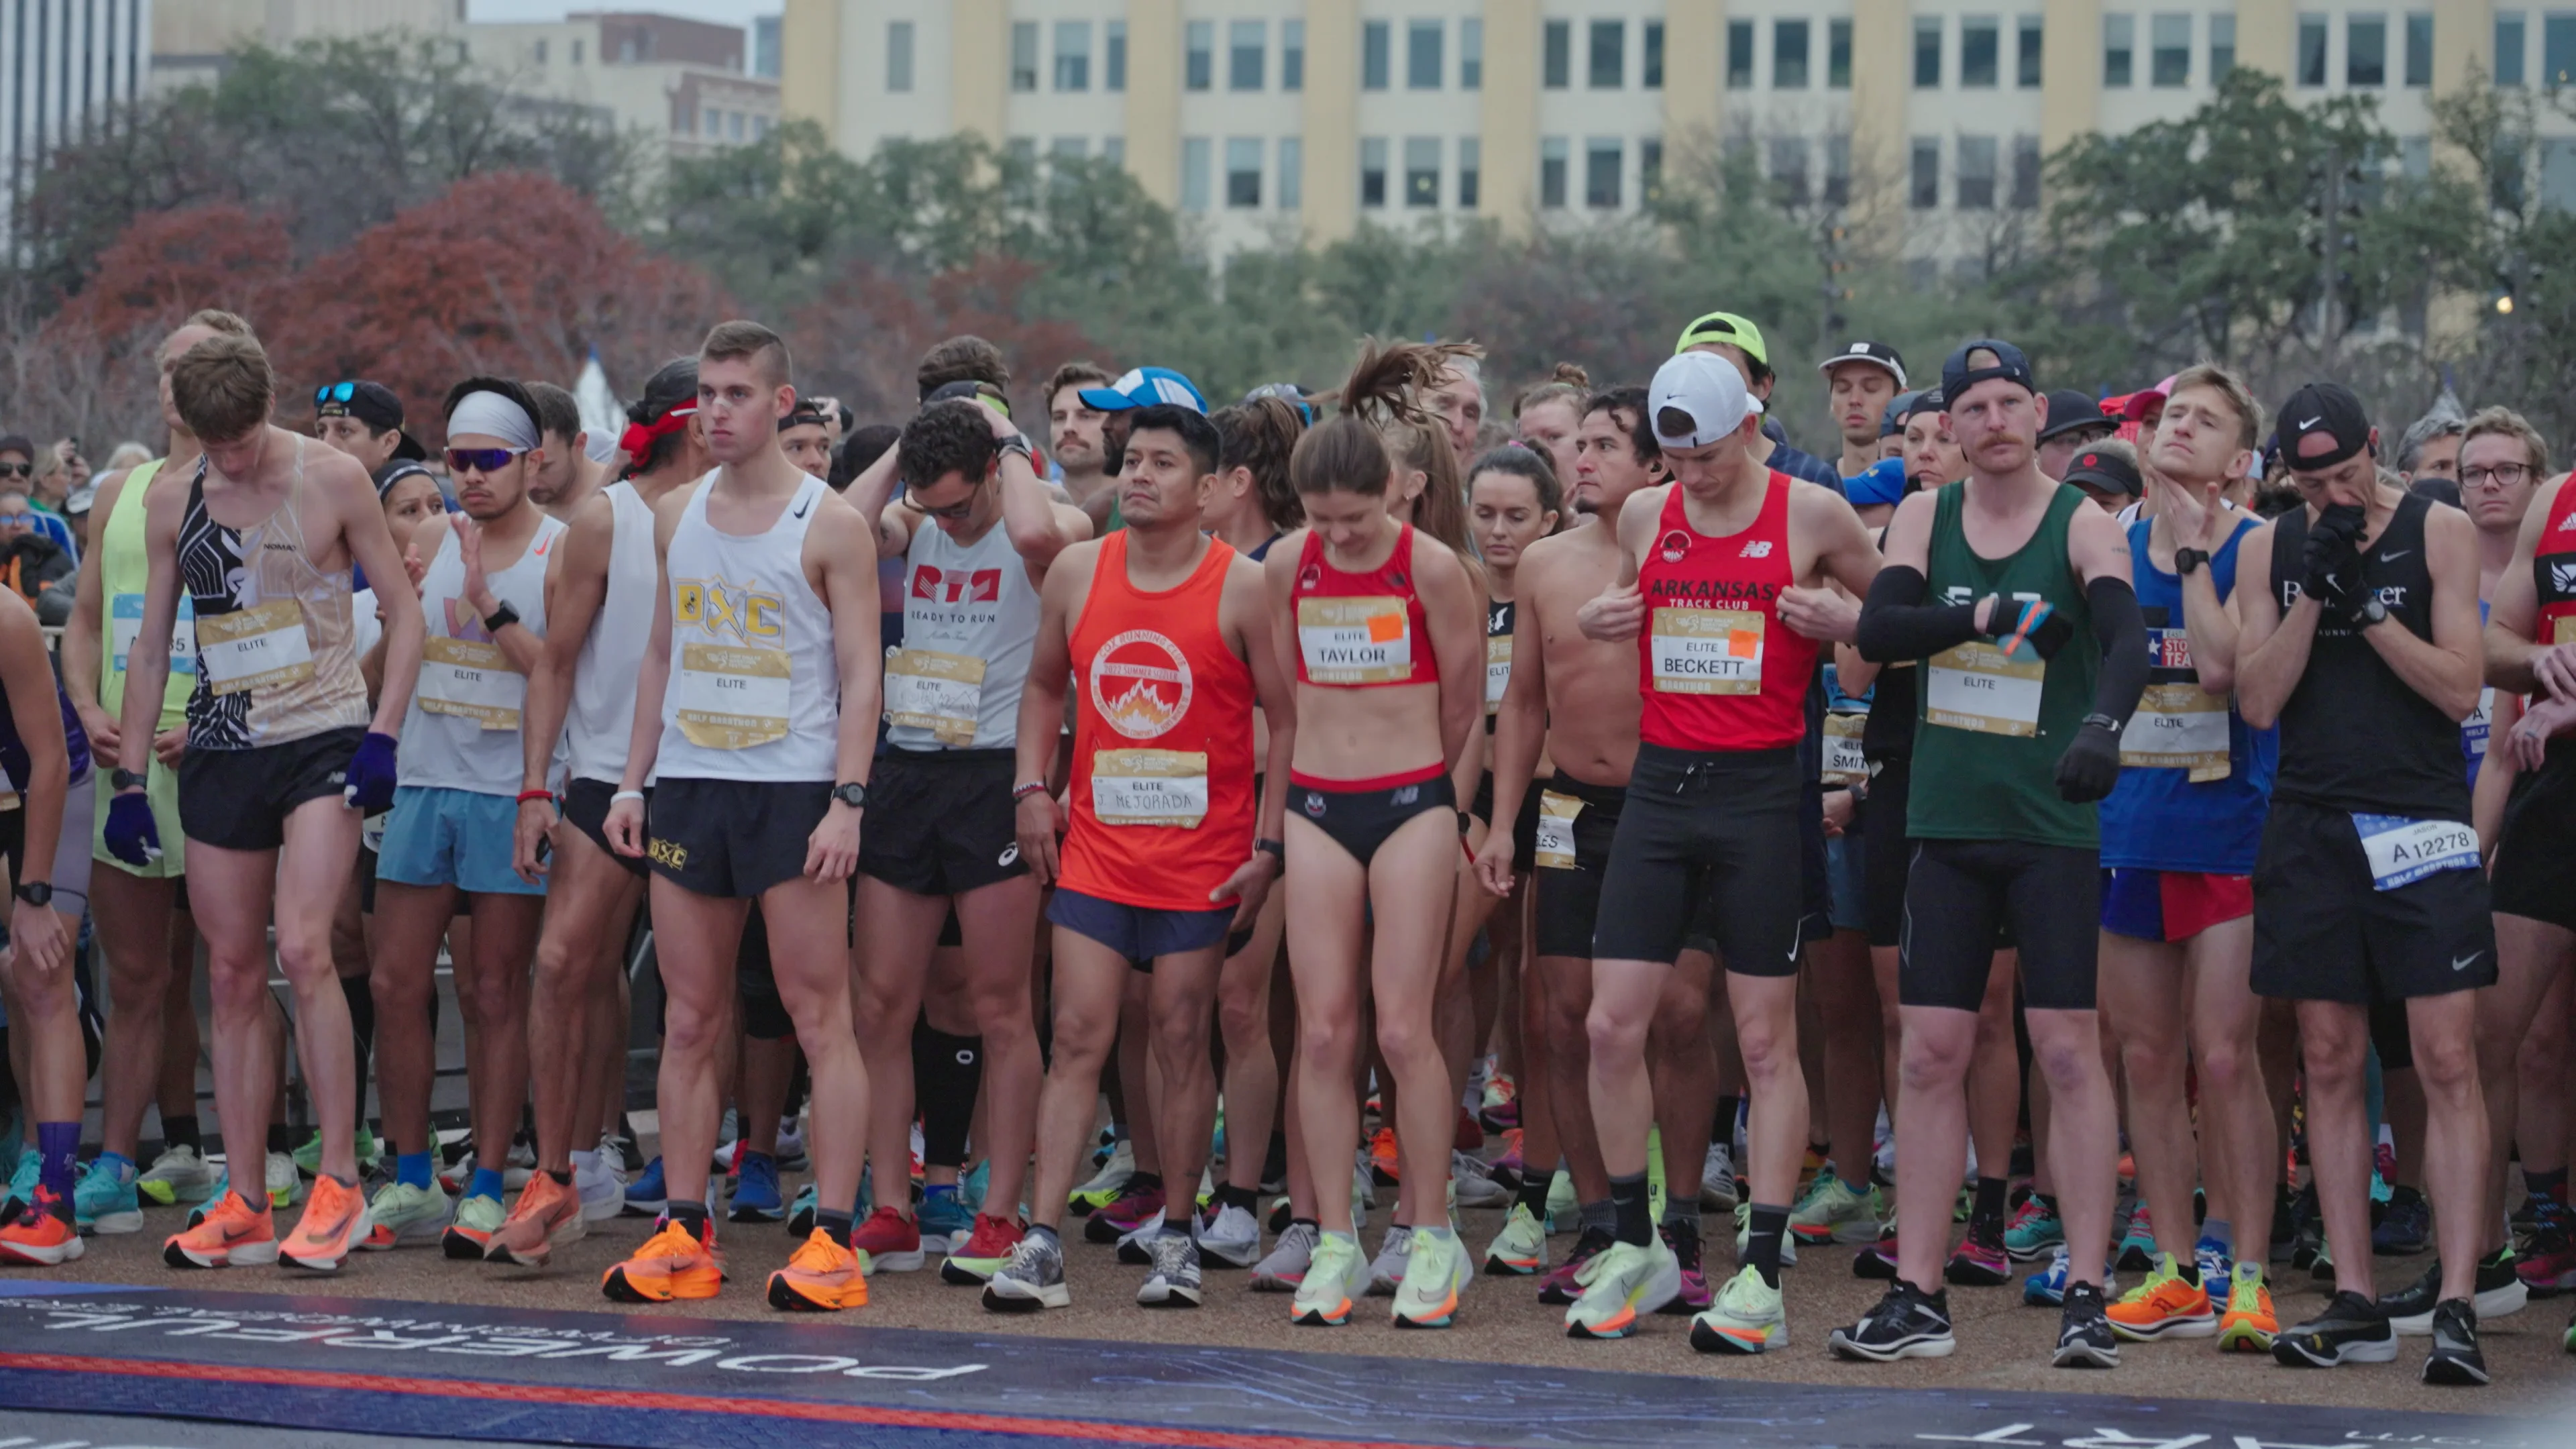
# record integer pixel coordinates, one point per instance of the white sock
(586, 1161)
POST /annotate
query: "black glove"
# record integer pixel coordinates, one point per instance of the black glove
(2091, 765)
(2047, 636)
(2334, 558)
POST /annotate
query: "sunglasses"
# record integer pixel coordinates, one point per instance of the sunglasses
(481, 460)
(17, 470)
(952, 512)
(334, 392)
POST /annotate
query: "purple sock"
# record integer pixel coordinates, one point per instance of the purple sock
(57, 1148)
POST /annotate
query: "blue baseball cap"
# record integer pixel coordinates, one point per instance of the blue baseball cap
(1987, 359)
(1144, 387)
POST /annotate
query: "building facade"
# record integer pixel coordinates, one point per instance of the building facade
(66, 66)
(190, 38)
(680, 84)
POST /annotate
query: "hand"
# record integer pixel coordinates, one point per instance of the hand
(133, 836)
(469, 549)
(1824, 614)
(1250, 884)
(370, 779)
(38, 940)
(1615, 616)
(2528, 741)
(832, 851)
(413, 566)
(1040, 825)
(2047, 635)
(1840, 807)
(169, 745)
(536, 822)
(2554, 669)
(1494, 863)
(624, 828)
(2217, 520)
(101, 727)
(2333, 558)
(2091, 765)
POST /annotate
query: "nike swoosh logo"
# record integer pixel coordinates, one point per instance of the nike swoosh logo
(2312, 422)
(800, 513)
(2464, 962)
(2393, 557)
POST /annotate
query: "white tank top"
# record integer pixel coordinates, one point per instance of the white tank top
(462, 730)
(755, 689)
(970, 618)
(600, 723)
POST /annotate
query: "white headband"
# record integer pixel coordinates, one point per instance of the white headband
(492, 415)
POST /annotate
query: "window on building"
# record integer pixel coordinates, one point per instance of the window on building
(1471, 158)
(1976, 173)
(541, 52)
(1422, 55)
(1739, 55)
(2365, 51)
(1838, 169)
(1789, 55)
(2029, 31)
(2558, 174)
(1609, 55)
(1653, 58)
(2557, 50)
(1924, 192)
(1022, 148)
(1471, 54)
(1650, 169)
(1242, 172)
(1113, 149)
(2025, 173)
(1601, 158)
(1292, 56)
(2169, 51)
(1024, 55)
(576, 48)
(1373, 171)
(1113, 56)
(2312, 50)
(899, 56)
(1194, 173)
(2508, 47)
(1980, 51)
(2505, 174)
(1073, 55)
(1556, 54)
(1838, 36)
(1071, 148)
(1198, 66)
(2419, 49)
(1421, 171)
(1789, 169)
(1927, 52)
(1247, 55)
(2222, 46)
(1292, 173)
(1377, 43)
(2119, 48)
(2415, 156)
(1551, 171)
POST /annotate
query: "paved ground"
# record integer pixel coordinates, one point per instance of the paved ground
(22, 1430)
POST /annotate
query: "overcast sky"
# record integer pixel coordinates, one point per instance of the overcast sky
(729, 12)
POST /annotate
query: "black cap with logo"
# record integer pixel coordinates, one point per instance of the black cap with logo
(2069, 410)
(1987, 359)
(2105, 470)
(1874, 354)
(2321, 425)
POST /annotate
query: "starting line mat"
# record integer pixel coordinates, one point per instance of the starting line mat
(307, 1366)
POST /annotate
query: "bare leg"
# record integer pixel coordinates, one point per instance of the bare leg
(1251, 1067)
(132, 916)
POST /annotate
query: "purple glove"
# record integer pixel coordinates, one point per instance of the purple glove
(371, 775)
(133, 836)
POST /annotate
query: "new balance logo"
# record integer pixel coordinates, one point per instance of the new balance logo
(2562, 578)
(1758, 548)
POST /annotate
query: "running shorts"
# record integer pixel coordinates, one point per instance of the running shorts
(1568, 882)
(1847, 881)
(733, 838)
(1524, 824)
(1362, 818)
(441, 837)
(1886, 852)
(1717, 825)
(2535, 858)
(2323, 933)
(2171, 905)
(239, 799)
(1139, 933)
(941, 822)
(585, 807)
(1960, 894)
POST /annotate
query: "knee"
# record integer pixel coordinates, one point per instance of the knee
(687, 1028)
(304, 955)
(1769, 1047)
(1327, 1040)
(1082, 1037)
(1002, 1010)
(2230, 1064)
(1243, 1018)
(1401, 1039)
(396, 989)
(2156, 1062)
(1612, 1035)
(1180, 1043)
(2447, 1065)
(1926, 1063)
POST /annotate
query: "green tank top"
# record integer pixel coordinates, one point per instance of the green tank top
(1993, 725)
(123, 571)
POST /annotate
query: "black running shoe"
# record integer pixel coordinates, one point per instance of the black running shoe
(2084, 1338)
(1559, 1285)
(2351, 1330)
(2455, 1358)
(2500, 1292)
(1907, 1323)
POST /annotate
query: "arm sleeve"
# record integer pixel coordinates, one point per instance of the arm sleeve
(1896, 624)
(2122, 632)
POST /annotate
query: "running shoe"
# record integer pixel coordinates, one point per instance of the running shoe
(1748, 1317)
(1565, 1283)
(602, 1192)
(2210, 1256)
(1290, 1254)
(983, 1253)
(1499, 1107)
(41, 1234)
(2350, 1330)
(2248, 1325)
(2307, 1228)
(1622, 1283)
(1032, 1279)
(1877, 1260)
(196, 1213)
(1136, 1246)
(674, 1263)
(335, 1223)
(2164, 1306)
(404, 1216)
(2286, 1221)
(1473, 1186)
(233, 1234)
(1980, 1260)
(1386, 1270)
(755, 1192)
(1107, 1183)
(2034, 1231)
(1695, 1293)
(1907, 1323)
(2047, 1287)
(2455, 1359)
(1383, 1163)
(1174, 1281)
(1511, 1167)
(180, 1174)
(308, 1157)
(890, 1242)
(1717, 1178)
(477, 1218)
(946, 1221)
(547, 1215)
(105, 1200)
(1563, 1212)
(2547, 1260)
(1334, 1277)
(2138, 1250)
(2499, 1288)
(1435, 1273)
(1744, 1236)
(2085, 1338)
(1520, 1248)
(1230, 1238)
(1832, 1212)
(646, 1196)
(1135, 1203)
(971, 1187)
(2405, 1227)
(284, 1183)
(801, 1213)
(824, 1275)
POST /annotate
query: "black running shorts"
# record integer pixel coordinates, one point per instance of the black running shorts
(1719, 825)
(941, 822)
(239, 799)
(1959, 894)
(2535, 859)
(585, 808)
(1569, 886)
(2322, 933)
(734, 838)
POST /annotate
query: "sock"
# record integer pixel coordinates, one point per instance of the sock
(1143, 1182)
(835, 1225)
(58, 1153)
(2551, 1184)
(1439, 1234)
(278, 1141)
(486, 1183)
(1117, 1132)
(691, 1216)
(1722, 1130)
(562, 1177)
(2222, 1232)
(2188, 1269)
(586, 1161)
(183, 1132)
(411, 1169)
(1045, 1232)
(119, 1163)
(1351, 1238)
(1990, 1201)
(1599, 1216)
(1762, 1241)
(1628, 1201)
(2500, 1255)
(1228, 1195)
(1533, 1194)
(1177, 1225)
(947, 1071)
(1683, 1211)
(361, 996)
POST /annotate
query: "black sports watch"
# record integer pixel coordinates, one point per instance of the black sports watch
(2371, 611)
(500, 618)
(35, 892)
(2187, 561)
(1017, 443)
(121, 779)
(854, 795)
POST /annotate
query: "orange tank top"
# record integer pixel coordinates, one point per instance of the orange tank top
(1163, 804)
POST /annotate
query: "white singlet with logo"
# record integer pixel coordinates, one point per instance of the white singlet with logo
(462, 730)
(755, 688)
(970, 618)
(600, 721)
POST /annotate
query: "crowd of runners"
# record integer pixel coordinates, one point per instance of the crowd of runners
(2107, 836)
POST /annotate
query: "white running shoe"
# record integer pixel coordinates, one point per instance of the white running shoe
(1290, 1255)
(179, 1174)
(1473, 1188)
(1232, 1237)
(285, 1184)
(602, 1195)
(1717, 1178)
(1386, 1271)
(1435, 1273)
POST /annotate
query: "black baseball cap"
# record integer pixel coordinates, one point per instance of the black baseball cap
(372, 403)
(1987, 359)
(2105, 470)
(1876, 354)
(19, 443)
(2069, 409)
(1899, 408)
(2322, 424)
(806, 414)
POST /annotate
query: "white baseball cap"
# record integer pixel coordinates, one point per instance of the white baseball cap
(1697, 398)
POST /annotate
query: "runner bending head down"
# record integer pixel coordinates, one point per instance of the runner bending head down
(1547, 416)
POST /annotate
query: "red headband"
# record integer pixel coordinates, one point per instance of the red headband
(638, 439)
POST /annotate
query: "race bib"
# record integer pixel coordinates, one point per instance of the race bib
(2473, 730)
(1973, 686)
(1708, 651)
(253, 648)
(1556, 830)
(1498, 669)
(941, 693)
(1356, 641)
(728, 697)
(2178, 727)
(1844, 763)
(1150, 787)
(473, 681)
(2562, 630)
(2402, 851)
(125, 622)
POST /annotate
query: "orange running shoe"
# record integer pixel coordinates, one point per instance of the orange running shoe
(231, 1235)
(2164, 1306)
(42, 1233)
(335, 1222)
(823, 1277)
(546, 1216)
(1382, 1157)
(2248, 1325)
(673, 1263)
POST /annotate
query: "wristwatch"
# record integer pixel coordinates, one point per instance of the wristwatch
(853, 794)
(1016, 443)
(2371, 611)
(1267, 846)
(35, 892)
(500, 618)
(2188, 560)
(121, 779)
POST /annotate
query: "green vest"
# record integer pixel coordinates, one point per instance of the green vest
(123, 571)
(1993, 725)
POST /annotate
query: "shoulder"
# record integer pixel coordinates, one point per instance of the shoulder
(1813, 502)
(331, 467)
(1072, 520)
(1078, 559)
(2447, 525)
(668, 508)
(594, 517)
(1284, 555)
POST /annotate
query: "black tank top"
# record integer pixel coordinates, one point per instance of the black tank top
(2354, 736)
(1889, 735)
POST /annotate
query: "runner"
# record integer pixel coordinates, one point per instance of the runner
(1740, 342)
(758, 692)
(282, 761)
(806, 438)
(1548, 417)
(1383, 626)
(1728, 648)
(599, 609)
(2179, 836)
(2075, 422)
(1860, 382)
(1458, 401)
(569, 475)
(1076, 435)
(2010, 697)
(2360, 639)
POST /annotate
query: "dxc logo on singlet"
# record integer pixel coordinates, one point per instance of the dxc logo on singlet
(720, 608)
(956, 586)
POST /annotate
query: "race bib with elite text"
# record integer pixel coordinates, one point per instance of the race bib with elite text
(1844, 762)
(942, 693)
(1498, 669)
(1973, 686)
(470, 680)
(1150, 787)
(1707, 651)
(729, 697)
(1364, 640)
(253, 648)
(1556, 830)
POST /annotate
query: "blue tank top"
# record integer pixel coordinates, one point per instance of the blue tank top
(13, 750)
(2158, 818)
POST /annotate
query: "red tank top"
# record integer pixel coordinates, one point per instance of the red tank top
(2553, 571)
(1718, 670)
(1163, 805)
(1361, 631)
